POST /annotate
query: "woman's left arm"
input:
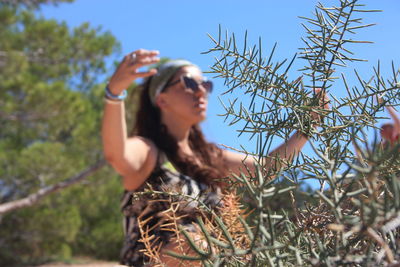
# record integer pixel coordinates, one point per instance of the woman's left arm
(284, 153)
(277, 159)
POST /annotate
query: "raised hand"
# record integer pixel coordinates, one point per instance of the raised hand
(323, 104)
(127, 70)
(390, 132)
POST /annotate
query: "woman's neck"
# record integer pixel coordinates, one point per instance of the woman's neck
(180, 132)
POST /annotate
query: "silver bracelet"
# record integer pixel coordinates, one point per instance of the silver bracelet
(111, 96)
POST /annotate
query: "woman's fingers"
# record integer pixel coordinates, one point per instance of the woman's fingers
(388, 132)
(142, 57)
(395, 127)
(396, 121)
(144, 52)
(149, 73)
(127, 71)
(144, 61)
(141, 53)
(323, 104)
(323, 98)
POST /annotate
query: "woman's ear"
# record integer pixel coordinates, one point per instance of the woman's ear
(161, 101)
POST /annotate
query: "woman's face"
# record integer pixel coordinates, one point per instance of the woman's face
(181, 102)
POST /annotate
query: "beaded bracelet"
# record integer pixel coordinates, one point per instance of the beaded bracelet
(111, 96)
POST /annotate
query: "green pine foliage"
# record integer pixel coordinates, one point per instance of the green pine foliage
(51, 101)
(353, 218)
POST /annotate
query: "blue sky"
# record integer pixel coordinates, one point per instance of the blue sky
(178, 29)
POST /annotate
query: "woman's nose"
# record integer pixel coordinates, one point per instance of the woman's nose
(201, 90)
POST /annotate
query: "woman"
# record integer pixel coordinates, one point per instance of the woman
(167, 153)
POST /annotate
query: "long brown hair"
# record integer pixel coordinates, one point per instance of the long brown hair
(148, 124)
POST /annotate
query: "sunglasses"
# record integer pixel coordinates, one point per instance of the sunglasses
(192, 84)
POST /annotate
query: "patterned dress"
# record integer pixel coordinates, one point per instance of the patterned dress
(147, 211)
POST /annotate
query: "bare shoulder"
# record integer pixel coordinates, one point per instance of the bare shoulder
(141, 142)
(142, 149)
(141, 153)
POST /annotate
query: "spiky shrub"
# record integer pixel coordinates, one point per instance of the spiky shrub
(353, 218)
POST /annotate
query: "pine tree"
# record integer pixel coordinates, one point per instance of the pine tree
(52, 80)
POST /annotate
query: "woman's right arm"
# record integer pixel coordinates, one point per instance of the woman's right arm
(134, 157)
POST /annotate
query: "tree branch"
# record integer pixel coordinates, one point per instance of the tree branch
(35, 197)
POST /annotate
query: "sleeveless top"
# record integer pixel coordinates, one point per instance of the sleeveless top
(148, 211)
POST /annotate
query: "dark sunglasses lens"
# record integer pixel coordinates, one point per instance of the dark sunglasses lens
(194, 86)
(208, 85)
(190, 83)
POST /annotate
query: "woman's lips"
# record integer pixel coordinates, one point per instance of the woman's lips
(201, 105)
